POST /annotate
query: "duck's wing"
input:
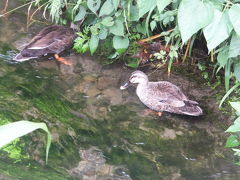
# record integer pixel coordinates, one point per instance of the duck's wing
(53, 39)
(168, 93)
(45, 38)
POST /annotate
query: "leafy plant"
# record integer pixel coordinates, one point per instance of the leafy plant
(233, 140)
(82, 42)
(12, 131)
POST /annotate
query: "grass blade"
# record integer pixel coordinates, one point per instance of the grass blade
(12, 131)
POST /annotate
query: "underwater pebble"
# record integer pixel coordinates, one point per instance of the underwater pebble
(93, 167)
(169, 134)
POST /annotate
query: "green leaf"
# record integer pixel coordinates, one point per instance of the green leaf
(133, 13)
(193, 15)
(234, 13)
(218, 30)
(93, 5)
(232, 141)
(141, 28)
(107, 21)
(236, 106)
(12, 131)
(106, 8)
(237, 71)
(227, 74)
(115, 3)
(117, 29)
(120, 43)
(222, 57)
(153, 25)
(103, 33)
(162, 4)
(145, 5)
(81, 13)
(234, 49)
(237, 121)
(93, 44)
(228, 93)
(133, 63)
(233, 128)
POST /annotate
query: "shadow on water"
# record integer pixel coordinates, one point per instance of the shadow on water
(100, 132)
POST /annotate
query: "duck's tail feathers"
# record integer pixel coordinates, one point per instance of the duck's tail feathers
(192, 110)
(20, 58)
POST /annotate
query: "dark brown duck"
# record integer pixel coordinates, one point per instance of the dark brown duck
(50, 40)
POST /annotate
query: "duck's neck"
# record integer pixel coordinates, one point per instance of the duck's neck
(141, 87)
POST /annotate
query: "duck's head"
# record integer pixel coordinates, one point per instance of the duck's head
(137, 77)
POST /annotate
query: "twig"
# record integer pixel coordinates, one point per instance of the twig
(186, 52)
(212, 56)
(152, 37)
(5, 7)
(1, 15)
(125, 19)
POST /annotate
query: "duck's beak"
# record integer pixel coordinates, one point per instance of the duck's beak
(125, 85)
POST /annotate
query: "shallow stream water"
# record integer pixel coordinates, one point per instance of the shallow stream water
(100, 132)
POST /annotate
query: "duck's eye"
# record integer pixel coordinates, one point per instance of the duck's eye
(133, 79)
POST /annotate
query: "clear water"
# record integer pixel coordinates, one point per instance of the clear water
(98, 131)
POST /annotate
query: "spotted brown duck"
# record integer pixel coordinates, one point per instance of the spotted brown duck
(50, 40)
(162, 96)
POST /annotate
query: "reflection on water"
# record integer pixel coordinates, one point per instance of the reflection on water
(100, 132)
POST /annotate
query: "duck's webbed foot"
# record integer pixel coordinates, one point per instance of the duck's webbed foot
(151, 112)
(62, 60)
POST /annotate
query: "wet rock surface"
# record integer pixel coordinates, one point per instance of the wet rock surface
(93, 166)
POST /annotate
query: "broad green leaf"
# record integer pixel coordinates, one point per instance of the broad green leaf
(237, 121)
(236, 106)
(193, 15)
(153, 25)
(106, 8)
(234, 14)
(145, 6)
(120, 43)
(103, 33)
(11, 131)
(234, 49)
(232, 141)
(162, 4)
(141, 28)
(133, 13)
(115, 3)
(117, 29)
(81, 13)
(107, 21)
(218, 30)
(237, 71)
(222, 57)
(93, 5)
(93, 44)
(234, 128)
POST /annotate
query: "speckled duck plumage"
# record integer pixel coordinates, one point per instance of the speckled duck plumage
(162, 95)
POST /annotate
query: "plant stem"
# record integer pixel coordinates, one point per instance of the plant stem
(1, 15)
